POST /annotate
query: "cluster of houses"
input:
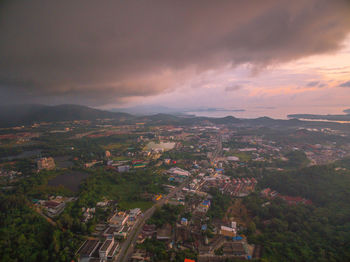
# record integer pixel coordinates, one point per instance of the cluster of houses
(11, 175)
(291, 200)
(192, 231)
(237, 187)
(105, 245)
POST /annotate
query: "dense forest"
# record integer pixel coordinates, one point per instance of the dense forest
(26, 236)
(316, 232)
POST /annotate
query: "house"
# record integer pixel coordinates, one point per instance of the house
(108, 154)
(149, 230)
(184, 221)
(47, 163)
(88, 214)
(167, 161)
(232, 158)
(228, 231)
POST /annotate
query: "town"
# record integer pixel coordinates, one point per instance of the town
(159, 192)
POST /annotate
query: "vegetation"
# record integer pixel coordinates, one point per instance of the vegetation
(318, 232)
(165, 214)
(219, 204)
(26, 236)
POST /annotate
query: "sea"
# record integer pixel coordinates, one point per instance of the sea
(272, 112)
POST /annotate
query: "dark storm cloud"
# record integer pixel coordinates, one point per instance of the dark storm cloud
(98, 52)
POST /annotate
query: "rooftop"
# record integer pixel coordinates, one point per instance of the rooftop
(88, 247)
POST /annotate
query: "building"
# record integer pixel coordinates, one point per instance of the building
(184, 221)
(235, 249)
(176, 171)
(47, 163)
(54, 208)
(228, 231)
(108, 249)
(87, 249)
(232, 158)
(123, 169)
(118, 219)
(140, 255)
(92, 163)
(134, 214)
(148, 230)
(123, 233)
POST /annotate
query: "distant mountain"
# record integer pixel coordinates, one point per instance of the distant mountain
(220, 120)
(27, 114)
(322, 117)
(166, 119)
(347, 111)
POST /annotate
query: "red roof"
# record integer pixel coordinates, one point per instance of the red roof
(292, 200)
(189, 260)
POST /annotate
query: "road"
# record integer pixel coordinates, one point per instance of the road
(127, 246)
(218, 149)
(36, 209)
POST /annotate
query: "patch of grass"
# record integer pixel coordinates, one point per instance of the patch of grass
(114, 146)
(245, 157)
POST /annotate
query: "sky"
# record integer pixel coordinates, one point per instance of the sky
(281, 55)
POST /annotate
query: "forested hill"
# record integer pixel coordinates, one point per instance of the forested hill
(322, 117)
(28, 114)
(316, 232)
(16, 115)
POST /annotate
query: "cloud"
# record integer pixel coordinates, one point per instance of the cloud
(345, 84)
(233, 88)
(93, 52)
(313, 83)
(316, 84)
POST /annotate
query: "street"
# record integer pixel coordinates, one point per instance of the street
(127, 246)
